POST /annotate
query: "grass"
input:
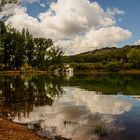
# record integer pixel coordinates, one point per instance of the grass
(101, 129)
(99, 68)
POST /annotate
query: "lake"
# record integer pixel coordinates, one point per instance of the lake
(84, 107)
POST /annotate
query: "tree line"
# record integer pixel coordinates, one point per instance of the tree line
(114, 59)
(19, 48)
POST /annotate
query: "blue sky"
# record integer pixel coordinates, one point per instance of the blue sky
(131, 18)
(81, 25)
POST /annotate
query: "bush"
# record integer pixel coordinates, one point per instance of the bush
(1, 66)
(99, 66)
(113, 66)
(26, 67)
(128, 66)
(82, 66)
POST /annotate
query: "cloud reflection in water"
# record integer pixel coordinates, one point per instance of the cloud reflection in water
(74, 114)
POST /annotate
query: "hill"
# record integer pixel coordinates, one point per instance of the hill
(112, 59)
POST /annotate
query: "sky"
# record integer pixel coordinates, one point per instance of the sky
(78, 26)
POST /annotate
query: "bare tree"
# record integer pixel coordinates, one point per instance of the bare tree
(3, 2)
(5, 12)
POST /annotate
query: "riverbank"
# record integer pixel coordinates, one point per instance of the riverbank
(21, 72)
(107, 72)
(89, 71)
(13, 131)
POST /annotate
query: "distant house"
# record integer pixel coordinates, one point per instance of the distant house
(67, 70)
(121, 61)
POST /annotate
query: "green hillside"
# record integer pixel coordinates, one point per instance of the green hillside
(107, 59)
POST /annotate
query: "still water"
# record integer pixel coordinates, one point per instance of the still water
(84, 107)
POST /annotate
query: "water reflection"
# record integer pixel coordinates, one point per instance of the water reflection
(21, 94)
(104, 104)
(74, 117)
(108, 84)
(75, 108)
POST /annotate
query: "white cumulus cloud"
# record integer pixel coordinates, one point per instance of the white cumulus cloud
(94, 39)
(75, 25)
(137, 42)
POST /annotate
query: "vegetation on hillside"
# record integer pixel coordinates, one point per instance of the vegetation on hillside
(108, 59)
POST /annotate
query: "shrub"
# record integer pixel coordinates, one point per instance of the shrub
(128, 66)
(113, 66)
(99, 66)
(82, 66)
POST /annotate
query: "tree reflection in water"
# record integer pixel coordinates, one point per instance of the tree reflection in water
(20, 94)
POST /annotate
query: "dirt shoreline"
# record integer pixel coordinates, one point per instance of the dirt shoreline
(13, 131)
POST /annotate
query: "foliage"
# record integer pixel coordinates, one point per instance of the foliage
(113, 66)
(12, 46)
(102, 55)
(41, 45)
(54, 57)
(83, 66)
(128, 66)
(29, 45)
(112, 59)
(19, 48)
(134, 57)
(98, 66)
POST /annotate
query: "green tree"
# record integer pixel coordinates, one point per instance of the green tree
(17, 48)
(134, 57)
(13, 49)
(19, 52)
(113, 66)
(30, 47)
(2, 33)
(6, 49)
(54, 56)
(41, 45)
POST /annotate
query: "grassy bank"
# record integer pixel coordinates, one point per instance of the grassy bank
(108, 72)
(76, 71)
(100, 68)
(16, 73)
